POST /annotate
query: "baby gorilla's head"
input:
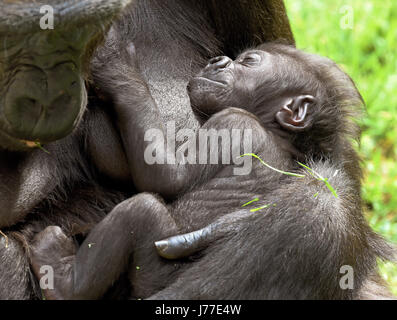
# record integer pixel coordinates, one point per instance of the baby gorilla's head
(288, 89)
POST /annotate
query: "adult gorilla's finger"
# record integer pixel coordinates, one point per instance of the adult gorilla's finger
(184, 245)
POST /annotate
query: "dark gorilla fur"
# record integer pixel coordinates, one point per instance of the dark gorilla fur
(86, 174)
(303, 107)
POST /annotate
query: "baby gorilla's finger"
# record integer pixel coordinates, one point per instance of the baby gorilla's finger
(184, 245)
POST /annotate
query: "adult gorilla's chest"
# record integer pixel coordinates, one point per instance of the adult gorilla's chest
(173, 42)
(171, 97)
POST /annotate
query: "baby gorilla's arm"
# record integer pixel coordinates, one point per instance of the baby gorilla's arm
(128, 232)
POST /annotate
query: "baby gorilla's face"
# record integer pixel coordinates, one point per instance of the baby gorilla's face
(268, 84)
(226, 83)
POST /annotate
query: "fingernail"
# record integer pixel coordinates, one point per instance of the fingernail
(161, 245)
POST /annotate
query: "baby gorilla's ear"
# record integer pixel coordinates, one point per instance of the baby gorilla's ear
(293, 115)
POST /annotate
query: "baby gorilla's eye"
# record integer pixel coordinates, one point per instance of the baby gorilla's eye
(251, 59)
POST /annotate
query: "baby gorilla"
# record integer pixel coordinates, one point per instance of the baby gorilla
(297, 106)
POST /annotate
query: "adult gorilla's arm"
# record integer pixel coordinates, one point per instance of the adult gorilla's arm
(25, 180)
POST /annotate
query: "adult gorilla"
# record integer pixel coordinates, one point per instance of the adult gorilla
(85, 175)
(42, 98)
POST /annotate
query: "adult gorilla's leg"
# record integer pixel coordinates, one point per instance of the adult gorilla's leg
(15, 275)
(106, 252)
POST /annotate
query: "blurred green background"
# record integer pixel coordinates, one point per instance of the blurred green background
(361, 36)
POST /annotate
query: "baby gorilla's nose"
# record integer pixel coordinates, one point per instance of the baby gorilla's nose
(220, 62)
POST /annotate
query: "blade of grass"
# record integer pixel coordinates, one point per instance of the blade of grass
(270, 167)
(249, 202)
(41, 147)
(260, 208)
(330, 188)
(309, 170)
(319, 178)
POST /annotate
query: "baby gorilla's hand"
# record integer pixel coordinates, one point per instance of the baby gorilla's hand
(116, 74)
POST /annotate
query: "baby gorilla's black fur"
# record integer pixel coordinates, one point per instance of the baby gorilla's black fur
(299, 107)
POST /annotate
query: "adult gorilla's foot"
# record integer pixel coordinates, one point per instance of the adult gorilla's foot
(52, 258)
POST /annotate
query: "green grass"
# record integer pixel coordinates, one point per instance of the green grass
(310, 171)
(368, 53)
